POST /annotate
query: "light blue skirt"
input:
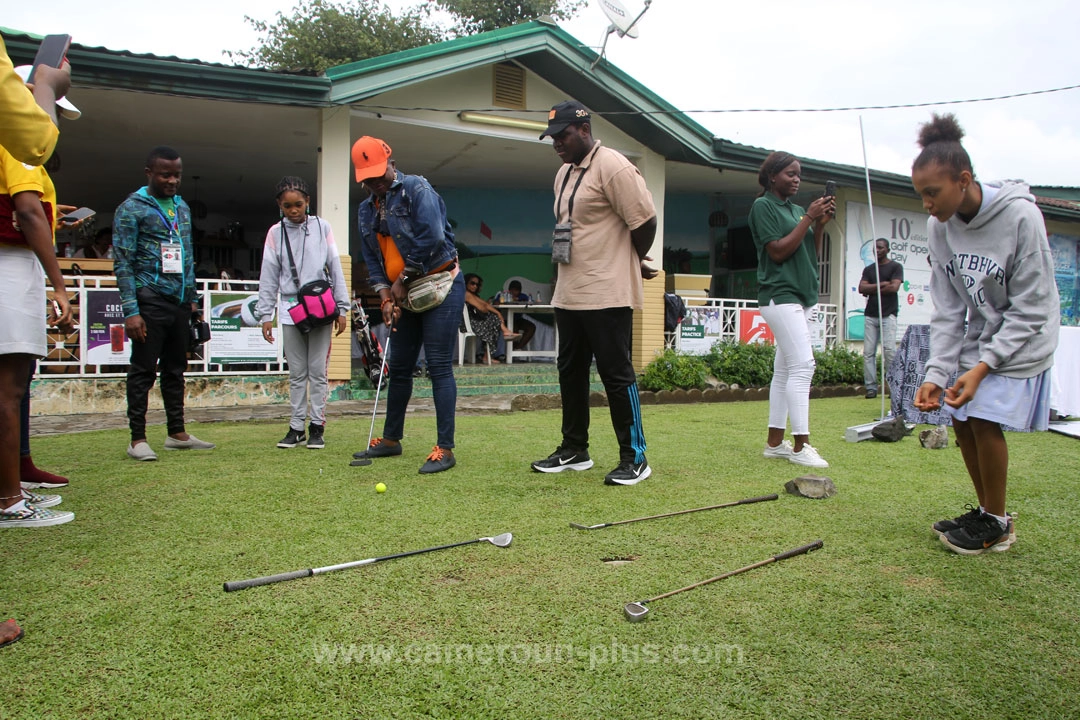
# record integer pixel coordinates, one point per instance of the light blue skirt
(1018, 404)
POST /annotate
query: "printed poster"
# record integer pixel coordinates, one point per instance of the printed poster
(103, 324)
(235, 330)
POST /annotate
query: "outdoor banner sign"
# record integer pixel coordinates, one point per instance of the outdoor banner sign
(1063, 248)
(235, 330)
(906, 233)
(753, 329)
(699, 330)
(103, 320)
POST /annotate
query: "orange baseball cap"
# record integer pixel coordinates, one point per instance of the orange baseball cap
(369, 157)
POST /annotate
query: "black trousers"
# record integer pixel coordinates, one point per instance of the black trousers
(168, 328)
(606, 335)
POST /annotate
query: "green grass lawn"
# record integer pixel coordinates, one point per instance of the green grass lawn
(126, 617)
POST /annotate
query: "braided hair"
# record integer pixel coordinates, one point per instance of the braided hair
(292, 182)
(774, 163)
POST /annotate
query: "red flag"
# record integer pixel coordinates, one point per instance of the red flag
(485, 230)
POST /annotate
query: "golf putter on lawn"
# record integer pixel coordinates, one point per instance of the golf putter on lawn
(747, 501)
(636, 611)
(498, 541)
(362, 461)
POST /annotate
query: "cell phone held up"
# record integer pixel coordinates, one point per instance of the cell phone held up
(51, 52)
(83, 213)
(830, 191)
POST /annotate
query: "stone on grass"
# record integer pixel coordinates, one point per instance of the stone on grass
(935, 439)
(891, 430)
(815, 487)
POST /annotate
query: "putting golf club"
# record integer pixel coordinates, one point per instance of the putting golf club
(636, 611)
(364, 460)
(498, 541)
(747, 501)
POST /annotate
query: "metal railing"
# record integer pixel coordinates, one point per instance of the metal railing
(69, 354)
(731, 316)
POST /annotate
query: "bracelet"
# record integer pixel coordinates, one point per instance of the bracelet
(387, 301)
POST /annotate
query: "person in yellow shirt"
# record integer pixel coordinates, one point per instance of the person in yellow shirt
(28, 120)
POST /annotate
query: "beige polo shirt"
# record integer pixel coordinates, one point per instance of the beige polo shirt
(604, 270)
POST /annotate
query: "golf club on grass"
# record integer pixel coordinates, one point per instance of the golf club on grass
(747, 501)
(498, 541)
(636, 611)
(362, 461)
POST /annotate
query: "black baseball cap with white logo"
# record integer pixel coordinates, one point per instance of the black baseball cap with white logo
(564, 115)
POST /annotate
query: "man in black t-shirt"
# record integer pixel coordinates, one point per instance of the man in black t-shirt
(886, 277)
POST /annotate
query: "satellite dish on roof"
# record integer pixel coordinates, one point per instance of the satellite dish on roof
(623, 22)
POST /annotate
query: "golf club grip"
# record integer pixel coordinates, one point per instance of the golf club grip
(267, 580)
(798, 551)
(762, 498)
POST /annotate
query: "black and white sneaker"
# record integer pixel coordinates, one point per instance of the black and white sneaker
(628, 473)
(315, 437)
(564, 460)
(292, 439)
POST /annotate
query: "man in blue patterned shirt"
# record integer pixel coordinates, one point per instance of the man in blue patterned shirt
(155, 272)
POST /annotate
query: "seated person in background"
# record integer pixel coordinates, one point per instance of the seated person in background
(485, 318)
(521, 324)
(100, 248)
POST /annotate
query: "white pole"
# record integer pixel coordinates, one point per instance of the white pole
(877, 268)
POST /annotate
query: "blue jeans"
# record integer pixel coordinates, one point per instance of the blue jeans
(437, 332)
(872, 333)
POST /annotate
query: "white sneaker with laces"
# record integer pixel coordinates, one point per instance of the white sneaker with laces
(809, 457)
(782, 451)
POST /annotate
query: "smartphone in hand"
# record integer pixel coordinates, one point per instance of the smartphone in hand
(83, 213)
(830, 191)
(51, 52)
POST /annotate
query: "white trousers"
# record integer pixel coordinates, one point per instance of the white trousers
(789, 393)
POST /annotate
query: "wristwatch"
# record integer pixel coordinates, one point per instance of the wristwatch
(410, 273)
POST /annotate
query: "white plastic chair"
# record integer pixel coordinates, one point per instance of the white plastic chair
(466, 337)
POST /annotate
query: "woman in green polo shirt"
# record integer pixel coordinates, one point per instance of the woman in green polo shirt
(788, 240)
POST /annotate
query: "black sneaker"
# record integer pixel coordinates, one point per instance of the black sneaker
(440, 459)
(981, 535)
(378, 448)
(292, 439)
(564, 460)
(315, 437)
(628, 473)
(943, 526)
(871, 394)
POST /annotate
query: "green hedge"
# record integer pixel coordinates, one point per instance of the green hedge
(745, 365)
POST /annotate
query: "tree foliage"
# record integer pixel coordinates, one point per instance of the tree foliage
(476, 16)
(320, 34)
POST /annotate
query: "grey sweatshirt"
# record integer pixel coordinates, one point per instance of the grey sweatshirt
(316, 255)
(995, 273)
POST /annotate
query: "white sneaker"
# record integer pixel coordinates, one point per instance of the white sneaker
(782, 451)
(808, 456)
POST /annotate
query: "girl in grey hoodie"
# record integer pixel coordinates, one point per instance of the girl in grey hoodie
(995, 320)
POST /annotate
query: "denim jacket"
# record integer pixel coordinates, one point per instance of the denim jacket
(416, 219)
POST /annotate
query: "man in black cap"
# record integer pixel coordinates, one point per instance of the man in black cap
(605, 224)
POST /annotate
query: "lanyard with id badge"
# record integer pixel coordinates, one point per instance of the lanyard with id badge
(172, 253)
(561, 237)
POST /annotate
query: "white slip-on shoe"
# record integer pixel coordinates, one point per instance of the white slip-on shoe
(782, 451)
(192, 443)
(142, 451)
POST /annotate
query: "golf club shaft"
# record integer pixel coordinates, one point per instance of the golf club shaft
(309, 572)
(775, 558)
(378, 388)
(747, 501)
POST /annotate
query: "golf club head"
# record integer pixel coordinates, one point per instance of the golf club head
(585, 527)
(360, 462)
(635, 611)
(503, 540)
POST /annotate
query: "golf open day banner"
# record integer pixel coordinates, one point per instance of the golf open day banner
(906, 233)
(235, 331)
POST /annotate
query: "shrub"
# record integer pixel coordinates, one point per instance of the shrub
(734, 362)
(671, 370)
(838, 365)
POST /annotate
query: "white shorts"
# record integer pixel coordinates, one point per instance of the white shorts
(22, 303)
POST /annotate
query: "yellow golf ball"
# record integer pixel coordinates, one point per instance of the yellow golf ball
(380, 487)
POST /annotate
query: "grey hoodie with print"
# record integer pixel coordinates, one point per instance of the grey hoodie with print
(998, 268)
